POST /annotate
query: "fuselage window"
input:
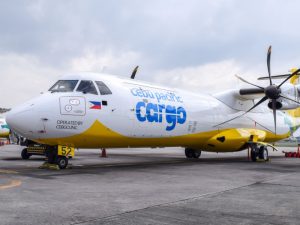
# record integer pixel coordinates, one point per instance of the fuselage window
(64, 86)
(104, 90)
(87, 87)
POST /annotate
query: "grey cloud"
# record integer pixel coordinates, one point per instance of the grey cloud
(169, 33)
(158, 35)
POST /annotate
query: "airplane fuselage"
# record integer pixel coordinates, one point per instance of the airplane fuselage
(127, 113)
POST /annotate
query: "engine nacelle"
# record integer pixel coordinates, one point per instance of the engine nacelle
(278, 105)
(289, 91)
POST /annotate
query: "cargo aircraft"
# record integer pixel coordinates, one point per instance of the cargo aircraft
(91, 110)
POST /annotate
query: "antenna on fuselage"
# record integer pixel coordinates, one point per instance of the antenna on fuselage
(134, 72)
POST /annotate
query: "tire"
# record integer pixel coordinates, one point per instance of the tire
(62, 162)
(197, 154)
(263, 153)
(266, 154)
(191, 153)
(253, 155)
(51, 155)
(24, 154)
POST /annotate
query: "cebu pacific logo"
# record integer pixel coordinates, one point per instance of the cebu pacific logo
(161, 112)
(155, 113)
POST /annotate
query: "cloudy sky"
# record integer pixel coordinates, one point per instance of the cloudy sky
(191, 44)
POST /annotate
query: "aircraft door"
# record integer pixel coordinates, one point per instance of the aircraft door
(116, 109)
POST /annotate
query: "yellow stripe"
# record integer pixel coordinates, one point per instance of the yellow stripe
(100, 136)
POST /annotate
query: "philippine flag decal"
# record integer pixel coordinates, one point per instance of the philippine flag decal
(95, 105)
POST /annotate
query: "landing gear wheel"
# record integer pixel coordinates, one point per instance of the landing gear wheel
(191, 153)
(51, 154)
(62, 162)
(24, 154)
(197, 154)
(263, 153)
(253, 154)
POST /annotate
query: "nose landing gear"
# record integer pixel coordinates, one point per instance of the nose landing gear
(58, 157)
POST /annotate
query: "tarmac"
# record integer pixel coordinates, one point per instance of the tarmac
(150, 186)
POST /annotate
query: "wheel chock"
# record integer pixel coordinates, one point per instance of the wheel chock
(49, 166)
(262, 160)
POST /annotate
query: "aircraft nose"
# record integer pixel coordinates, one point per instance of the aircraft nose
(19, 120)
(26, 121)
(31, 119)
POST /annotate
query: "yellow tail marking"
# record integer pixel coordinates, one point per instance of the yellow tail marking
(295, 79)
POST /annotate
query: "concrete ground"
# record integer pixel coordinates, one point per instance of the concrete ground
(150, 186)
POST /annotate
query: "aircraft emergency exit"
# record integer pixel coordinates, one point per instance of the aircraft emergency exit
(89, 110)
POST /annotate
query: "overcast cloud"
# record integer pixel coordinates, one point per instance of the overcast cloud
(192, 44)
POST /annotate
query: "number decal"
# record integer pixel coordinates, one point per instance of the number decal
(65, 151)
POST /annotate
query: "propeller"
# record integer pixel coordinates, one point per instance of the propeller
(271, 92)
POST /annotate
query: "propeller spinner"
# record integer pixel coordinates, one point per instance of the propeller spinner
(272, 92)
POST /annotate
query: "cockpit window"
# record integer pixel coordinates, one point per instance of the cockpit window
(87, 87)
(104, 90)
(64, 86)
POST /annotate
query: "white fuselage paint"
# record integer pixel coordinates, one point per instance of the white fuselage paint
(63, 114)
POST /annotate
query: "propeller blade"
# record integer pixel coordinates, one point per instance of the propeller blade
(268, 63)
(282, 96)
(279, 76)
(258, 103)
(274, 112)
(290, 76)
(261, 125)
(242, 79)
(251, 91)
(134, 72)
